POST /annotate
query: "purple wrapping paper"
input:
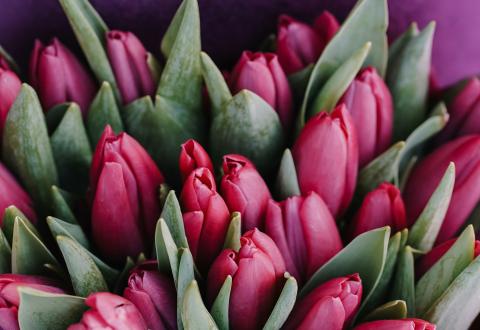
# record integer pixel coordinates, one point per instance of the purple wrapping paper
(229, 26)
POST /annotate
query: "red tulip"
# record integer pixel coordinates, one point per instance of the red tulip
(326, 158)
(193, 156)
(305, 232)
(109, 311)
(9, 88)
(244, 191)
(326, 25)
(154, 295)
(331, 305)
(370, 104)
(404, 324)
(381, 207)
(206, 216)
(124, 182)
(262, 74)
(426, 175)
(128, 59)
(58, 76)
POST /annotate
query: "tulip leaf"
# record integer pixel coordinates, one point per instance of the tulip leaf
(246, 118)
(11, 213)
(109, 274)
(424, 232)
(172, 214)
(234, 232)
(103, 111)
(286, 184)
(404, 280)
(339, 81)
(218, 91)
(154, 66)
(437, 279)
(392, 310)
(298, 82)
(122, 280)
(220, 306)
(41, 310)
(58, 227)
(5, 254)
(85, 276)
(61, 206)
(284, 304)
(171, 34)
(194, 313)
(27, 149)
(408, 80)
(166, 250)
(185, 277)
(10, 61)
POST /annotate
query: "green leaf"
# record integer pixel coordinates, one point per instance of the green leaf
(85, 276)
(218, 91)
(392, 310)
(122, 280)
(284, 304)
(172, 214)
(27, 150)
(298, 82)
(194, 313)
(9, 216)
(109, 274)
(41, 310)
(246, 118)
(154, 66)
(220, 306)
(234, 232)
(424, 232)
(185, 277)
(61, 205)
(73, 231)
(286, 184)
(5, 254)
(404, 280)
(437, 279)
(339, 81)
(166, 250)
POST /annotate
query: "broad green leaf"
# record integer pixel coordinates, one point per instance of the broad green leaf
(218, 91)
(286, 184)
(61, 205)
(284, 304)
(122, 280)
(298, 82)
(401, 41)
(172, 31)
(193, 312)
(54, 115)
(172, 214)
(234, 232)
(154, 66)
(109, 274)
(185, 277)
(392, 310)
(220, 306)
(5, 254)
(11, 213)
(59, 227)
(166, 250)
(403, 287)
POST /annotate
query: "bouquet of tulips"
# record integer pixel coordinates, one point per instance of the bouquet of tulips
(323, 182)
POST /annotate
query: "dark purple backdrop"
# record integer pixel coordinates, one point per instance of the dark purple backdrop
(229, 26)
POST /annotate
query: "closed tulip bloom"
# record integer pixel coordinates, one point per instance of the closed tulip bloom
(244, 191)
(154, 295)
(205, 216)
(109, 311)
(326, 25)
(326, 158)
(305, 232)
(124, 183)
(9, 88)
(192, 156)
(128, 59)
(403, 324)
(262, 74)
(426, 175)
(381, 207)
(58, 76)
(330, 306)
(370, 104)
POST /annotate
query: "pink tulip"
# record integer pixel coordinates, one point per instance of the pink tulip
(9, 88)
(192, 156)
(326, 25)
(403, 324)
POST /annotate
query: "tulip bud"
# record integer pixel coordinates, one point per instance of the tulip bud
(326, 158)
(154, 295)
(58, 76)
(407, 324)
(206, 216)
(370, 104)
(262, 74)
(426, 175)
(381, 207)
(326, 25)
(244, 191)
(128, 59)
(9, 88)
(332, 304)
(109, 311)
(305, 232)
(124, 182)
(193, 156)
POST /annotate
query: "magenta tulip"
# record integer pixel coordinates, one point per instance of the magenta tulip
(58, 76)
(109, 311)
(332, 305)
(305, 232)
(326, 158)
(381, 207)
(124, 183)
(9, 88)
(326, 25)
(244, 191)
(426, 175)
(262, 74)
(154, 295)
(128, 59)
(192, 156)
(403, 324)
(370, 104)
(205, 216)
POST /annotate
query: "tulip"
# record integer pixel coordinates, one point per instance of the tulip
(9, 88)
(254, 286)
(331, 305)
(326, 25)
(59, 77)
(426, 175)
(154, 295)
(262, 74)
(206, 216)
(244, 191)
(326, 158)
(192, 156)
(403, 324)
(109, 311)
(381, 207)
(370, 104)
(128, 59)
(305, 232)
(124, 181)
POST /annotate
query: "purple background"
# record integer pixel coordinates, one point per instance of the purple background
(229, 26)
